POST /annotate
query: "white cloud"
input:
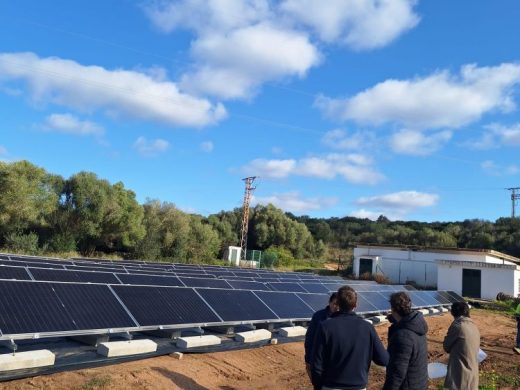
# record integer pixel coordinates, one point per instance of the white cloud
(235, 64)
(354, 168)
(118, 92)
(341, 140)
(150, 148)
(491, 168)
(207, 146)
(70, 124)
(417, 143)
(497, 135)
(240, 44)
(394, 205)
(359, 24)
(293, 202)
(436, 101)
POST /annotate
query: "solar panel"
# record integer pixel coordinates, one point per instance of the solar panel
(315, 288)
(291, 287)
(204, 282)
(377, 300)
(429, 298)
(455, 297)
(363, 306)
(439, 297)
(417, 300)
(236, 305)
(92, 306)
(150, 280)
(29, 307)
(17, 273)
(315, 301)
(58, 275)
(245, 285)
(154, 306)
(285, 304)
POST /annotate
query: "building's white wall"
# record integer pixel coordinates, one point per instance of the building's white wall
(517, 283)
(494, 280)
(424, 273)
(449, 278)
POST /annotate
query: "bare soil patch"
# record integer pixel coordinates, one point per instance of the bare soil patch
(278, 366)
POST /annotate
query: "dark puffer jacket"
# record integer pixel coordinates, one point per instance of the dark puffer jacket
(407, 346)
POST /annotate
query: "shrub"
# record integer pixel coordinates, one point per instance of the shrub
(19, 242)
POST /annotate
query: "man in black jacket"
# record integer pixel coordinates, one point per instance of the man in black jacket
(407, 346)
(317, 319)
(344, 347)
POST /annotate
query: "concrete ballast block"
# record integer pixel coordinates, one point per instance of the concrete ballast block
(379, 319)
(177, 355)
(434, 310)
(29, 359)
(198, 341)
(124, 348)
(424, 311)
(292, 331)
(253, 335)
(444, 310)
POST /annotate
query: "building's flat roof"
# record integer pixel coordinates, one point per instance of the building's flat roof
(417, 248)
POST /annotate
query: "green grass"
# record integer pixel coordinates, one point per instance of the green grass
(96, 383)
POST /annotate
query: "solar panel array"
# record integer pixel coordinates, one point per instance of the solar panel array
(47, 297)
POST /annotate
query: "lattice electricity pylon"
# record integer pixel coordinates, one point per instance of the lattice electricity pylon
(245, 214)
(514, 198)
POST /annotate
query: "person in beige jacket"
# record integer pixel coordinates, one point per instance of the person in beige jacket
(462, 343)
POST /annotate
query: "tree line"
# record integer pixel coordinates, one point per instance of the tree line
(41, 212)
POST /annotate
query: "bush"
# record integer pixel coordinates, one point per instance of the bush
(283, 256)
(62, 243)
(25, 243)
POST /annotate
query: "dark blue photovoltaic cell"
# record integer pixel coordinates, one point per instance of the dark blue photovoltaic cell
(290, 287)
(315, 301)
(439, 297)
(316, 288)
(18, 273)
(57, 275)
(30, 307)
(417, 300)
(150, 280)
(376, 299)
(245, 279)
(429, 298)
(204, 282)
(363, 306)
(455, 297)
(92, 306)
(285, 305)
(236, 305)
(245, 285)
(165, 305)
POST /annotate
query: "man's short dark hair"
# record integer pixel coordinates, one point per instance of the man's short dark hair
(401, 303)
(459, 309)
(347, 298)
(333, 297)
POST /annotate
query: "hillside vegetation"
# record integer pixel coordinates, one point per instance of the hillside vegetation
(42, 213)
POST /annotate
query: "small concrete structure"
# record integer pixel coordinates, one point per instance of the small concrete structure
(177, 355)
(274, 341)
(424, 311)
(198, 341)
(124, 348)
(253, 335)
(292, 331)
(29, 359)
(434, 310)
(379, 319)
(444, 310)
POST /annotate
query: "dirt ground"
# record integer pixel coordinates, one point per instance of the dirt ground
(278, 366)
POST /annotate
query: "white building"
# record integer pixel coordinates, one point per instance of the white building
(470, 272)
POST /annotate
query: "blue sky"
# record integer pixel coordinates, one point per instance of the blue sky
(345, 107)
